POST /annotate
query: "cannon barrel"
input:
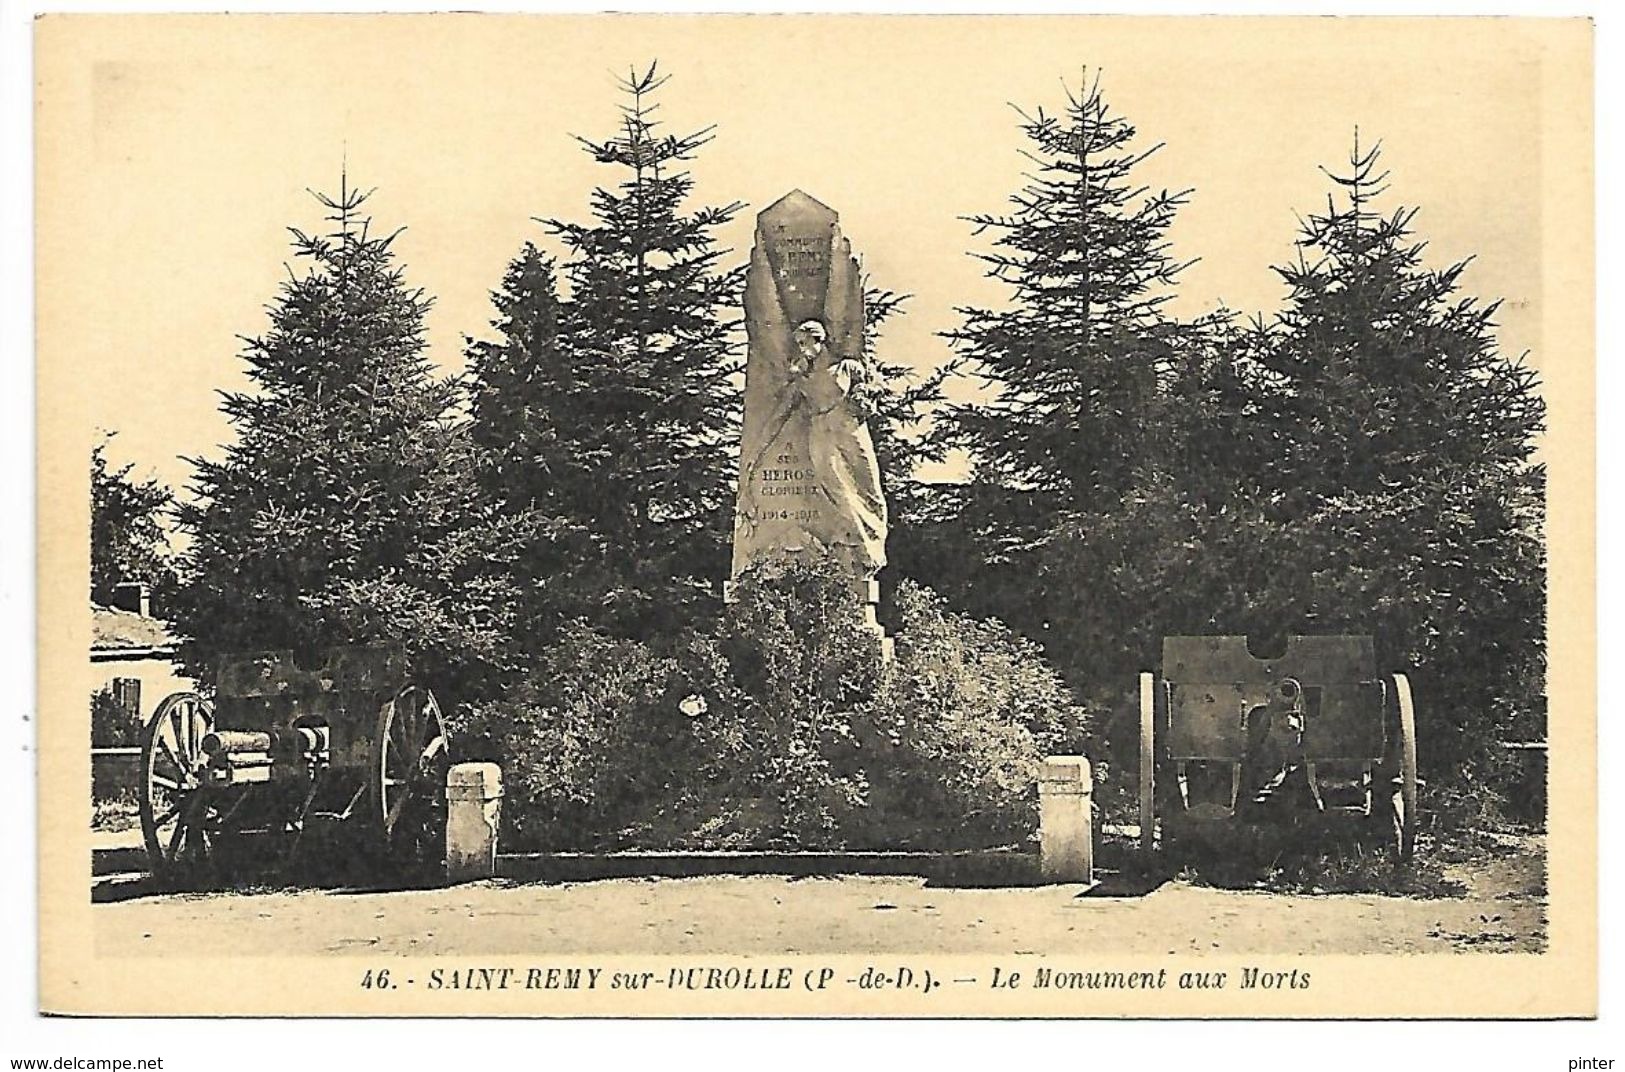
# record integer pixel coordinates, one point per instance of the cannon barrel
(236, 741)
(297, 739)
(304, 739)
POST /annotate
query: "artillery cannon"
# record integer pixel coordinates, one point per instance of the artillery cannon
(344, 751)
(1225, 734)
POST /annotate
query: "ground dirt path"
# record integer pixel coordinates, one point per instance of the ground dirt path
(1502, 908)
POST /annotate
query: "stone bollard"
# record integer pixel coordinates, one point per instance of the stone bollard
(473, 814)
(1066, 826)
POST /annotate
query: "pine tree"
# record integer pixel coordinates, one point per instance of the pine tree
(128, 530)
(613, 409)
(1407, 500)
(1074, 356)
(1072, 364)
(515, 386)
(1387, 371)
(505, 378)
(344, 510)
(1183, 551)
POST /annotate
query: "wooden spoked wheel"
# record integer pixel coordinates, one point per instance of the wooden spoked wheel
(409, 765)
(1403, 765)
(179, 817)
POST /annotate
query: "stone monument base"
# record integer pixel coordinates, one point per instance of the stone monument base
(1066, 825)
(868, 592)
(473, 817)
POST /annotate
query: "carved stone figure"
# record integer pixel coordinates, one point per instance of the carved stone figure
(808, 477)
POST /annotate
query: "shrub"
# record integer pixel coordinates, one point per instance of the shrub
(968, 710)
(575, 740)
(778, 726)
(112, 724)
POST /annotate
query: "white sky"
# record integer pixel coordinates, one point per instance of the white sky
(187, 146)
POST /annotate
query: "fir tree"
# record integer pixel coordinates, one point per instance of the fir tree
(508, 378)
(1072, 364)
(515, 384)
(128, 529)
(1407, 499)
(619, 402)
(1183, 551)
(343, 512)
(1386, 371)
(1073, 358)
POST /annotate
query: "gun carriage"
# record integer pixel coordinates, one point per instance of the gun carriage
(1224, 735)
(346, 752)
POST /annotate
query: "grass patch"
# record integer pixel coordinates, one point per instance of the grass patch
(116, 813)
(1307, 857)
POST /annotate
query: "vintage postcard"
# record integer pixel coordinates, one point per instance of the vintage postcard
(864, 516)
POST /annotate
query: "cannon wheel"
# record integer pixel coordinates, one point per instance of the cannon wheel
(409, 763)
(1148, 760)
(178, 812)
(1404, 796)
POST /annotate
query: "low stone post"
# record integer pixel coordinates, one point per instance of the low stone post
(1066, 825)
(473, 815)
